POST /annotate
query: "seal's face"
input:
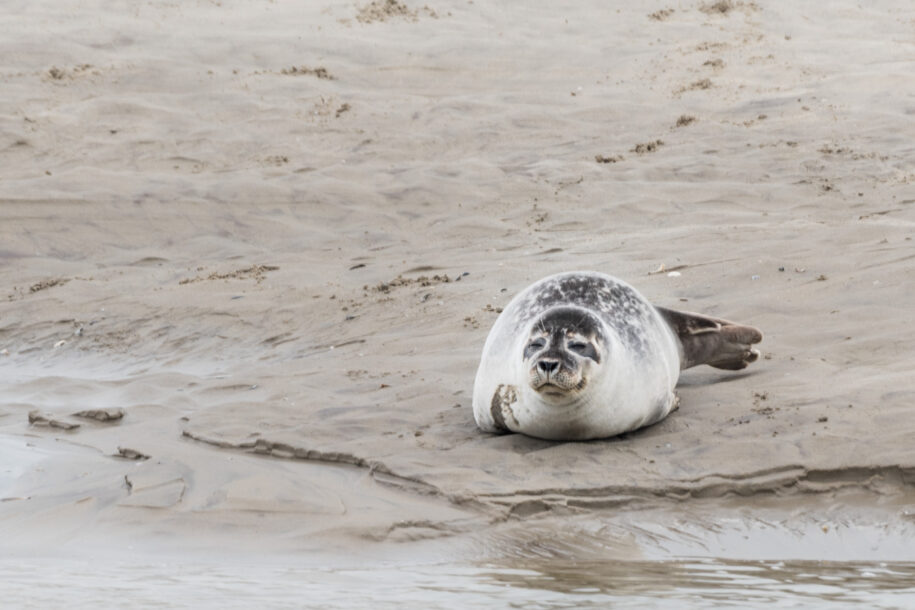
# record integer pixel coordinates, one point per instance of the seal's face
(563, 352)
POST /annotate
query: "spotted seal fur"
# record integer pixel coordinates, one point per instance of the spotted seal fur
(583, 355)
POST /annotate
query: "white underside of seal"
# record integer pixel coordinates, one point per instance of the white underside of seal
(633, 387)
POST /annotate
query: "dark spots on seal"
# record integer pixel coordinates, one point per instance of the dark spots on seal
(505, 396)
(587, 291)
(618, 304)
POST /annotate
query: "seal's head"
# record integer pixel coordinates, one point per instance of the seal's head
(563, 352)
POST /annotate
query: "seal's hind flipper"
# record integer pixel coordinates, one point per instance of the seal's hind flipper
(712, 341)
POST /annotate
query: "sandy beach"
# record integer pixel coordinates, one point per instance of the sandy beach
(251, 252)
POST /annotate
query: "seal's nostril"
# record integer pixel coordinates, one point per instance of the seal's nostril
(547, 366)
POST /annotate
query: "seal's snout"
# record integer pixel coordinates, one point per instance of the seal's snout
(548, 365)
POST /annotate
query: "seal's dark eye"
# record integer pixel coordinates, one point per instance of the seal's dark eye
(584, 349)
(534, 346)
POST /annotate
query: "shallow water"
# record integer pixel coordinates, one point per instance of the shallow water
(700, 583)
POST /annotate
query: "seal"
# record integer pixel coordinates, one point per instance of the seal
(582, 355)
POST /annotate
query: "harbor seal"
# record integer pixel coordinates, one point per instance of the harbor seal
(583, 355)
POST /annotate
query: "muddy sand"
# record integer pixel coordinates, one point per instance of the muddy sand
(251, 252)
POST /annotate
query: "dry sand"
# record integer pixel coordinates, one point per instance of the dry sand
(275, 236)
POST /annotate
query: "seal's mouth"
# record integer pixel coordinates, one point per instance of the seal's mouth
(553, 389)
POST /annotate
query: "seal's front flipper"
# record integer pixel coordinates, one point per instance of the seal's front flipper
(718, 343)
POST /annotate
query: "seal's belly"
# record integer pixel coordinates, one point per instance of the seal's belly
(641, 395)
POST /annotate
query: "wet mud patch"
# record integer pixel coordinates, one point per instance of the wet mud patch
(722, 7)
(275, 160)
(383, 10)
(711, 46)
(130, 454)
(60, 74)
(609, 159)
(45, 284)
(400, 281)
(300, 451)
(844, 151)
(102, 415)
(699, 85)
(319, 72)
(37, 418)
(412, 531)
(661, 15)
(508, 475)
(647, 147)
(256, 272)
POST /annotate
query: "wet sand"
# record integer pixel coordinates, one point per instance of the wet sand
(275, 237)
